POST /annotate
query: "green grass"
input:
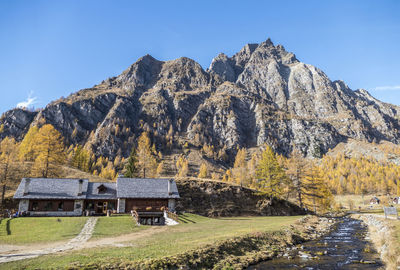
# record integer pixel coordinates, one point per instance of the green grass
(30, 230)
(115, 225)
(193, 232)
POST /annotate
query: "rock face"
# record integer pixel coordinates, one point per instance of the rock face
(262, 94)
(217, 199)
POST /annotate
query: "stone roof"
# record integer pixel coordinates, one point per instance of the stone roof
(146, 188)
(58, 188)
(109, 193)
(52, 188)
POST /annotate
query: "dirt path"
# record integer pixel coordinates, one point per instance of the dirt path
(10, 253)
(28, 252)
(119, 240)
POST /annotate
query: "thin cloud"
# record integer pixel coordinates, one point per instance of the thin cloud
(388, 87)
(30, 101)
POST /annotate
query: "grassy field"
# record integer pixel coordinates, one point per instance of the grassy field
(115, 225)
(193, 232)
(39, 229)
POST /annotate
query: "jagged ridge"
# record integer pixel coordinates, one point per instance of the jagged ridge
(262, 94)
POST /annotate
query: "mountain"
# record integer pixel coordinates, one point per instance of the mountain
(262, 94)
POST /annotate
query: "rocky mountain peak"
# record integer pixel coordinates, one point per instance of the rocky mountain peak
(140, 74)
(262, 94)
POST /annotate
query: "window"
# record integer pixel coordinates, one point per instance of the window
(101, 189)
(111, 205)
(48, 206)
(35, 206)
(90, 206)
(60, 206)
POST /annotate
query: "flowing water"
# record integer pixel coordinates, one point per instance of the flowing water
(346, 247)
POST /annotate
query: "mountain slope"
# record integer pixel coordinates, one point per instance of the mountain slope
(262, 94)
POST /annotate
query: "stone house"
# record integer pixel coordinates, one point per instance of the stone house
(148, 197)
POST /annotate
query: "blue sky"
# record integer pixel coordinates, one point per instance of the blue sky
(50, 49)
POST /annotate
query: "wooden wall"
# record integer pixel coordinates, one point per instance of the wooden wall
(51, 205)
(144, 204)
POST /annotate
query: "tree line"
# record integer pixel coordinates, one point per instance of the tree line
(42, 153)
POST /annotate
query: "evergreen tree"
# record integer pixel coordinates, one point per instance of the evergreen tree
(270, 174)
(49, 147)
(131, 167)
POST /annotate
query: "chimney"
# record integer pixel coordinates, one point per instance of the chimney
(169, 186)
(26, 187)
(80, 187)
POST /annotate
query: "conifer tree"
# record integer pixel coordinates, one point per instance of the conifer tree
(182, 166)
(8, 156)
(203, 172)
(146, 160)
(160, 169)
(27, 148)
(270, 174)
(49, 147)
(240, 171)
(296, 168)
(316, 194)
(131, 166)
(108, 171)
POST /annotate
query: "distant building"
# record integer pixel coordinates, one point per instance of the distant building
(374, 200)
(396, 200)
(148, 197)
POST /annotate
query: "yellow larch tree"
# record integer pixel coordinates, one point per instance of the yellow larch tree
(8, 166)
(296, 167)
(203, 172)
(316, 193)
(27, 147)
(182, 166)
(145, 156)
(240, 172)
(49, 147)
(270, 175)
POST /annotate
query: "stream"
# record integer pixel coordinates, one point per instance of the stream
(346, 247)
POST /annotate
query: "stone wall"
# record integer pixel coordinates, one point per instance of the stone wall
(121, 206)
(23, 205)
(54, 213)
